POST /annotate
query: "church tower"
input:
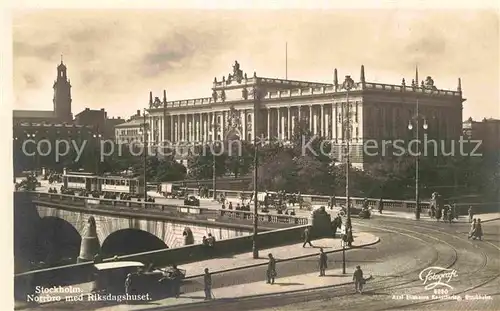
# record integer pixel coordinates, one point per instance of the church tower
(62, 95)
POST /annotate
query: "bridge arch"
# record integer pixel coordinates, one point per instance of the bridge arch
(57, 241)
(130, 241)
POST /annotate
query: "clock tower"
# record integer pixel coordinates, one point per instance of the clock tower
(62, 95)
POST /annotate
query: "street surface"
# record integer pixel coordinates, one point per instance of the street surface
(406, 248)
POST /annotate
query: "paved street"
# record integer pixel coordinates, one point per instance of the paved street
(406, 248)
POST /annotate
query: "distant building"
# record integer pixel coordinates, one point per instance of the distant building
(94, 118)
(28, 136)
(487, 131)
(131, 130)
(61, 101)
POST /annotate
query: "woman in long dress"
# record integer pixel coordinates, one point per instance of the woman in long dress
(478, 233)
(472, 228)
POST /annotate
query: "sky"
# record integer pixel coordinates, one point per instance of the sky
(116, 57)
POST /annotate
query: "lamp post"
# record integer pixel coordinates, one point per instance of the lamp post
(416, 119)
(97, 136)
(256, 100)
(214, 173)
(144, 128)
(32, 136)
(347, 85)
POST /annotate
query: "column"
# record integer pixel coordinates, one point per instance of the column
(212, 127)
(278, 128)
(310, 118)
(288, 124)
(324, 124)
(193, 127)
(300, 113)
(243, 119)
(268, 123)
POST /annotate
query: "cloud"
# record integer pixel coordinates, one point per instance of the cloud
(115, 58)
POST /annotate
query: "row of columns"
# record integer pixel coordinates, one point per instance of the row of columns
(198, 126)
(324, 120)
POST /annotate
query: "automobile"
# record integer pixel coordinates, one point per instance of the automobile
(110, 277)
(191, 201)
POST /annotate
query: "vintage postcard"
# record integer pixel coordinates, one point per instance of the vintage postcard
(262, 156)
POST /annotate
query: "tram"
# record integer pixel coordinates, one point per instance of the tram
(91, 182)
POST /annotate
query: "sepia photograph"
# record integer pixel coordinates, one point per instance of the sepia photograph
(257, 157)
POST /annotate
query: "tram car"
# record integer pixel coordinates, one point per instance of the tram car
(90, 182)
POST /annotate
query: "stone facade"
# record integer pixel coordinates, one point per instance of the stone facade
(372, 111)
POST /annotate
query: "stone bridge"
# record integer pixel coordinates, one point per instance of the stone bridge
(50, 228)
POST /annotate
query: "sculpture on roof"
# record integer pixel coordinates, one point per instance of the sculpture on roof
(237, 72)
(429, 84)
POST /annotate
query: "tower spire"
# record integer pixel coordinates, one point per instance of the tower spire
(459, 88)
(362, 74)
(416, 75)
(150, 97)
(164, 96)
(61, 58)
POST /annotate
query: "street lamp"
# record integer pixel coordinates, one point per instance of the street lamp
(144, 129)
(97, 136)
(347, 85)
(32, 136)
(214, 173)
(416, 119)
(256, 99)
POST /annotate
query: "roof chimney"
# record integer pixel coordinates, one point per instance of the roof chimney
(138, 113)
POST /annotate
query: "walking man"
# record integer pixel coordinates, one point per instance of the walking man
(271, 269)
(358, 279)
(471, 213)
(307, 237)
(380, 206)
(322, 262)
(207, 281)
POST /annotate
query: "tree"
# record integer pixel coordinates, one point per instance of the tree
(201, 160)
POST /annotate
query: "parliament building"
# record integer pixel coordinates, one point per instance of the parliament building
(356, 109)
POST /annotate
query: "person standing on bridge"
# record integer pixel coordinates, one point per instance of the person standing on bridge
(207, 281)
(271, 269)
(471, 213)
(322, 262)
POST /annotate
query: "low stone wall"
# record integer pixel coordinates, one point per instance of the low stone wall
(25, 283)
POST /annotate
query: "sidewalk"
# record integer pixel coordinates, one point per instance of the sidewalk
(281, 253)
(310, 281)
(242, 261)
(424, 216)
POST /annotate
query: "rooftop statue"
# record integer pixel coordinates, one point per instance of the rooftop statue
(237, 72)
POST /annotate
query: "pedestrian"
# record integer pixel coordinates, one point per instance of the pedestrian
(380, 206)
(358, 279)
(471, 213)
(307, 237)
(349, 237)
(478, 233)
(322, 262)
(176, 281)
(128, 285)
(472, 229)
(207, 281)
(271, 269)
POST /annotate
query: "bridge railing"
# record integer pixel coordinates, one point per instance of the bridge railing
(167, 209)
(404, 205)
